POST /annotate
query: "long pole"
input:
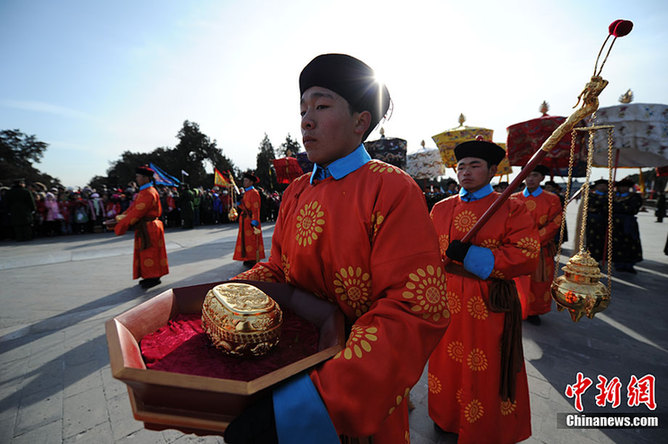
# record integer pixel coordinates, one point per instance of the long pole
(590, 104)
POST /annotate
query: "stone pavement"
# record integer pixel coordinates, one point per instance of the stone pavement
(56, 385)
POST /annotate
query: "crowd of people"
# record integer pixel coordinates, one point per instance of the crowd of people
(30, 209)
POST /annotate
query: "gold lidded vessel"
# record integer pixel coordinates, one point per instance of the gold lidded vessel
(241, 320)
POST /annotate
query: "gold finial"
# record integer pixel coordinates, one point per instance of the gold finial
(544, 108)
(422, 143)
(462, 119)
(382, 131)
(627, 97)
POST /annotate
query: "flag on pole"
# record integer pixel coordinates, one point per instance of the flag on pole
(219, 179)
(162, 178)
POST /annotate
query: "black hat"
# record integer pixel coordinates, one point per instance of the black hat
(601, 182)
(145, 170)
(252, 177)
(625, 183)
(488, 151)
(350, 78)
(541, 169)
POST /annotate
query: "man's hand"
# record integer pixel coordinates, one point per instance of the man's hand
(457, 250)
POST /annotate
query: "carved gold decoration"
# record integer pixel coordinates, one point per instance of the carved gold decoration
(579, 289)
(241, 320)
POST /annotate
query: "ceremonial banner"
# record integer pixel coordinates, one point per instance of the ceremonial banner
(449, 139)
(304, 163)
(640, 135)
(287, 169)
(219, 179)
(391, 150)
(425, 164)
(504, 167)
(162, 178)
(525, 138)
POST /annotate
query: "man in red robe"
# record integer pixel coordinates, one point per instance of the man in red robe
(249, 247)
(545, 209)
(357, 233)
(150, 256)
(477, 380)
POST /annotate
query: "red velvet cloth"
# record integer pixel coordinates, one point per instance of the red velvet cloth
(182, 347)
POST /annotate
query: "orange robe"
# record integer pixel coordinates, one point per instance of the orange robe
(464, 370)
(149, 262)
(250, 246)
(365, 243)
(534, 289)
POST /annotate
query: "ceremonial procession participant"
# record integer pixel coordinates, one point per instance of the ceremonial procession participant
(545, 209)
(357, 233)
(249, 247)
(597, 221)
(626, 247)
(20, 206)
(477, 380)
(150, 256)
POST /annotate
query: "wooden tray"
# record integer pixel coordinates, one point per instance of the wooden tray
(198, 404)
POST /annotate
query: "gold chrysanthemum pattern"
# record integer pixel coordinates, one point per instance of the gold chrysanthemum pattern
(508, 407)
(465, 220)
(426, 289)
(492, 244)
(473, 411)
(141, 205)
(456, 350)
(382, 167)
(359, 342)
(477, 360)
(376, 220)
(310, 221)
(398, 399)
(497, 274)
(477, 308)
(434, 384)
(260, 274)
(542, 219)
(459, 394)
(454, 302)
(353, 287)
(443, 243)
(286, 267)
(529, 246)
(531, 204)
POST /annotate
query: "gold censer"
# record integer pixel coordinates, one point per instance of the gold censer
(241, 320)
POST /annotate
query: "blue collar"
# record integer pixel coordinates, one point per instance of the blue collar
(249, 188)
(476, 195)
(145, 186)
(622, 194)
(600, 193)
(343, 166)
(537, 192)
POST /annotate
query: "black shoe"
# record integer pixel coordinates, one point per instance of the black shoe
(534, 320)
(438, 429)
(249, 264)
(630, 269)
(150, 282)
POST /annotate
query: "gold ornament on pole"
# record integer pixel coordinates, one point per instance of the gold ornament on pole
(579, 289)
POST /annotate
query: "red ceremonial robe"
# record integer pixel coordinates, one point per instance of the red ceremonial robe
(464, 370)
(250, 246)
(534, 289)
(365, 243)
(148, 262)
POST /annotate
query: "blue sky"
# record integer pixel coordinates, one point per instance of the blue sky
(94, 79)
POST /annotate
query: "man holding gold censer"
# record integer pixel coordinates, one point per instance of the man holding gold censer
(477, 379)
(357, 233)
